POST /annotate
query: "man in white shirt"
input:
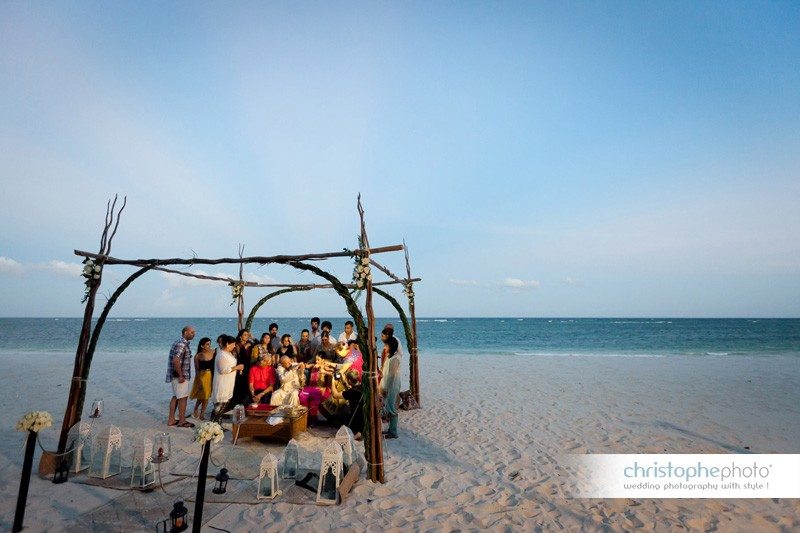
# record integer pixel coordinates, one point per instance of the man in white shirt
(348, 334)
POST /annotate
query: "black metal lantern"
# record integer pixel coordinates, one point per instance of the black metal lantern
(62, 470)
(178, 517)
(222, 482)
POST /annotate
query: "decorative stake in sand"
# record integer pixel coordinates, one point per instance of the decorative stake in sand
(268, 478)
(32, 423)
(330, 475)
(106, 454)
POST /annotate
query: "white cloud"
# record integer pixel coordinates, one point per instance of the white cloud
(168, 300)
(9, 266)
(518, 284)
(463, 282)
(62, 268)
(572, 282)
(255, 278)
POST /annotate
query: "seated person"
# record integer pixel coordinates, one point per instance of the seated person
(314, 394)
(339, 407)
(352, 359)
(262, 380)
(288, 374)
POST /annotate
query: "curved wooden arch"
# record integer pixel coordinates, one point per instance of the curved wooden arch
(249, 323)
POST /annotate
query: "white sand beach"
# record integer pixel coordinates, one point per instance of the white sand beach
(483, 453)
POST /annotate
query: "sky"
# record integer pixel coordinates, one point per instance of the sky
(538, 158)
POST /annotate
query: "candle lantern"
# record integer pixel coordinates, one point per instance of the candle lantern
(177, 519)
(330, 475)
(239, 414)
(221, 482)
(268, 478)
(97, 408)
(344, 438)
(80, 442)
(142, 473)
(106, 454)
(162, 447)
(291, 458)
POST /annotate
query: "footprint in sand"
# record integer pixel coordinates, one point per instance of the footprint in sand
(430, 481)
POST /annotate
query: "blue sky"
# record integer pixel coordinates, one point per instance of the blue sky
(539, 158)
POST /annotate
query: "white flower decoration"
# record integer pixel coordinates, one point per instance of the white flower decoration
(35, 421)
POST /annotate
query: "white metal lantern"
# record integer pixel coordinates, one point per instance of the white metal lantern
(291, 460)
(162, 447)
(268, 478)
(330, 475)
(239, 414)
(142, 472)
(79, 440)
(344, 438)
(106, 453)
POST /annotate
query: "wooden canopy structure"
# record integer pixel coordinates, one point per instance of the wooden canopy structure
(96, 262)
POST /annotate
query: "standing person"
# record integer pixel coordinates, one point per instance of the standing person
(315, 332)
(276, 339)
(286, 348)
(327, 348)
(179, 372)
(304, 353)
(348, 334)
(224, 375)
(241, 390)
(389, 329)
(203, 374)
(390, 385)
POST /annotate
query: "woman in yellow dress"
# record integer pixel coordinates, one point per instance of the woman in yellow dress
(203, 374)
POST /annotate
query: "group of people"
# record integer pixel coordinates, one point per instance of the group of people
(320, 371)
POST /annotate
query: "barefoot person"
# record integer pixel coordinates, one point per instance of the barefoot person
(225, 372)
(390, 384)
(203, 374)
(179, 372)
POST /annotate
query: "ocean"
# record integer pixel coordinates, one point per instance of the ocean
(533, 337)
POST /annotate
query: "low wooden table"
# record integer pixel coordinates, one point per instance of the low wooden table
(290, 423)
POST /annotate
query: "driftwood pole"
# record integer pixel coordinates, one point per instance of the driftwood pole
(240, 299)
(413, 359)
(373, 436)
(77, 390)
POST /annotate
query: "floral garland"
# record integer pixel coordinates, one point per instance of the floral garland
(362, 273)
(208, 431)
(237, 288)
(91, 271)
(35, 421)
